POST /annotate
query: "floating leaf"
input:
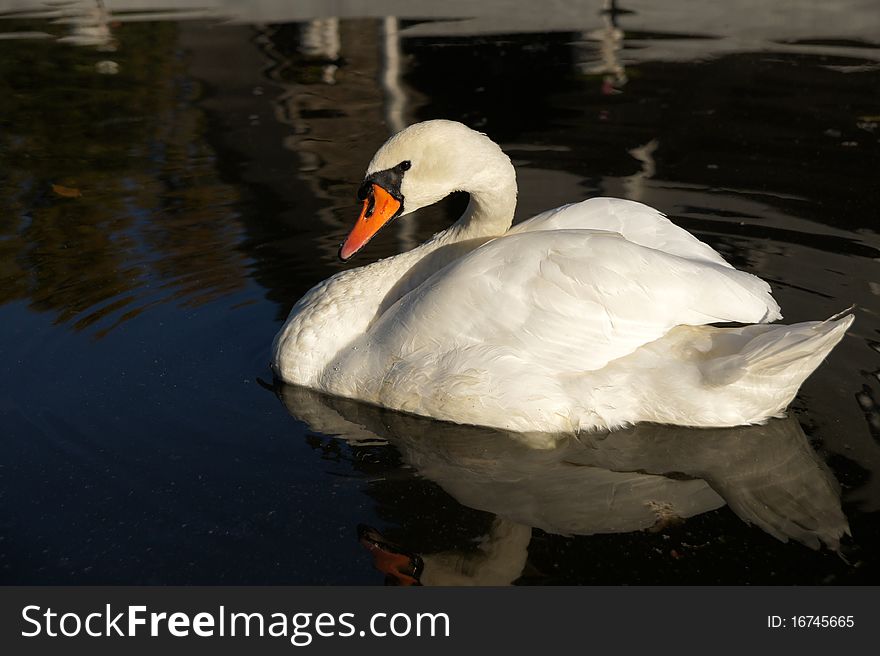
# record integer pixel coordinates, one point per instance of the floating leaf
(66, 192)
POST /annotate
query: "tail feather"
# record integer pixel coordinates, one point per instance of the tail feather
(787, 355)
(710, 375)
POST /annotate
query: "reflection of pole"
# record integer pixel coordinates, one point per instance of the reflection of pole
(635, 184)
(395, 101)
(394, 96)
(610, 38)
(634, 187)
(90, 26)
(319, 38)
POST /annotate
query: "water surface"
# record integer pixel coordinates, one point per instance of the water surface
(171, 182)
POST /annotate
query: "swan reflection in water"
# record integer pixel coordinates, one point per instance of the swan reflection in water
(627, 480)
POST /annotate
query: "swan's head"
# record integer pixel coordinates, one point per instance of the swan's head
(419, 166)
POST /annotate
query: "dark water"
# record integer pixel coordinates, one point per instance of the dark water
(170, 185)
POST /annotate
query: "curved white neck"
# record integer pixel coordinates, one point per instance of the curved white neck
(489, 214)
(492, 203)
(359, 296)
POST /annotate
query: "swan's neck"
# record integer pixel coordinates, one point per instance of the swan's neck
(493, 201)
(487, 215)
(332, 315)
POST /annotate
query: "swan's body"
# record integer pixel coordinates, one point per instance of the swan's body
(593, 315)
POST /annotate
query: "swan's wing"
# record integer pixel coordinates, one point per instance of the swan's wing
(572, 300)
(639, 223)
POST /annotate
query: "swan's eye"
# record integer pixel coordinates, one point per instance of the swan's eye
(364, 191)
(405, 165)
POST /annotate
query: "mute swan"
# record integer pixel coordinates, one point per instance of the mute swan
(589, 316)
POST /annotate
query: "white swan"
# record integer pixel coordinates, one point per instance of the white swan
(591, 315)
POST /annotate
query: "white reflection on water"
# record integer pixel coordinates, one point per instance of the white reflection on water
(641, 478)
(610, 39)
(704, 29)
(320, 39)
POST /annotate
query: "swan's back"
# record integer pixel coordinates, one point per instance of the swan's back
(637, 222)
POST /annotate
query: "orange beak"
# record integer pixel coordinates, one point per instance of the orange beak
(379, 208)
(399, 567)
